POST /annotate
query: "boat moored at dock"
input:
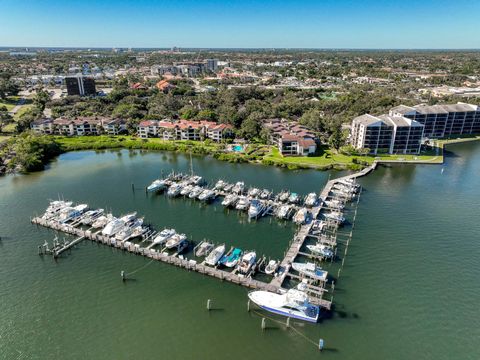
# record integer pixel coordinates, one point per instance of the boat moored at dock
(293, 304)
(215, 255)
(246, 262)
(311, 270)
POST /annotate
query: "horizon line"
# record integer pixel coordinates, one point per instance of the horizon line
(234, 48)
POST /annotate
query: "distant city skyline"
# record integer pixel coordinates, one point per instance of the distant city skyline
(308, 24)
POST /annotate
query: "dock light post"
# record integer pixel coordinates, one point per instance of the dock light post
(209, 302)
(321, 343)
(122, 274)
(264, 323)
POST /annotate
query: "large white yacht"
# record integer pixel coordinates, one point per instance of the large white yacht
(113, 227)
(293, 304)
(156, 185)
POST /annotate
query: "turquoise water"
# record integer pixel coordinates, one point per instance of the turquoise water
(238, 148)
(409, 287)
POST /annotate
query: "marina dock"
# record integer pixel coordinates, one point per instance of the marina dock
(315, 289)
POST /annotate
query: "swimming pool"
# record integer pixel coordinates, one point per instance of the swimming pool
(237, 148)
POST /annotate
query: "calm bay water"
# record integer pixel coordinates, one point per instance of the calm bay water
(409, 288)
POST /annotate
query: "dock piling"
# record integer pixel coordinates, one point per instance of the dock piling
(264, 323)
(320, 344)
(209, 302)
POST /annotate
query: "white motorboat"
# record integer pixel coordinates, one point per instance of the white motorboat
(215, 255)
(90, 216)
(311, 270)
(163, 236)
(242, 203)
(230, 200)
(206, 195)
(283, 196)
(311, 199)
(113, 227)
(195, 180)
(219, 185)
(239, 187)
(322, 250)
(317, 226)
(55, 207)
(256, 209)
(293, 198)
(228, 187)
(156, 185)
(129, 218)
(265, 194)
(284, 212)
(335, 204)
(301, 216)
(186, 190)
(335, 216)
(175, 241)
(102, 221)
(253, 192)
(232, 259)
(174, 190)
(293, 304)
(246, 262)
(204, 248)
(128, 230)
(271, 267)
(70, 213)
(196, 191)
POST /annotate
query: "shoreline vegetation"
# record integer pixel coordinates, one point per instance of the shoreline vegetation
(28, 152)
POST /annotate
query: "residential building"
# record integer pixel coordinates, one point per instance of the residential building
(291, 138)
(443, 120)
(79, 126)
(212, 64)
(184, 130)
(386, 134)
(164, 85)
(80, 85)
(42, 126)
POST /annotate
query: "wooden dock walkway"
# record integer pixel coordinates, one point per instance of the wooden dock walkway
(299, 239)
(187, 264)
(275, 285)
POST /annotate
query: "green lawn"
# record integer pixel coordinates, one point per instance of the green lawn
(329, 158)
(21, 111)
(130, 142)
(10, 102)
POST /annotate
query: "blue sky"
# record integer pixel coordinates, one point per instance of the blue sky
(246, 23)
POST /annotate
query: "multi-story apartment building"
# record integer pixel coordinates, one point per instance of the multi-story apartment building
(443, 120)
(290, 137)
(184, 130)
(79, 126)
(386, 134)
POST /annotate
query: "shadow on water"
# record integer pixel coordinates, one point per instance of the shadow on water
(216, 309)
